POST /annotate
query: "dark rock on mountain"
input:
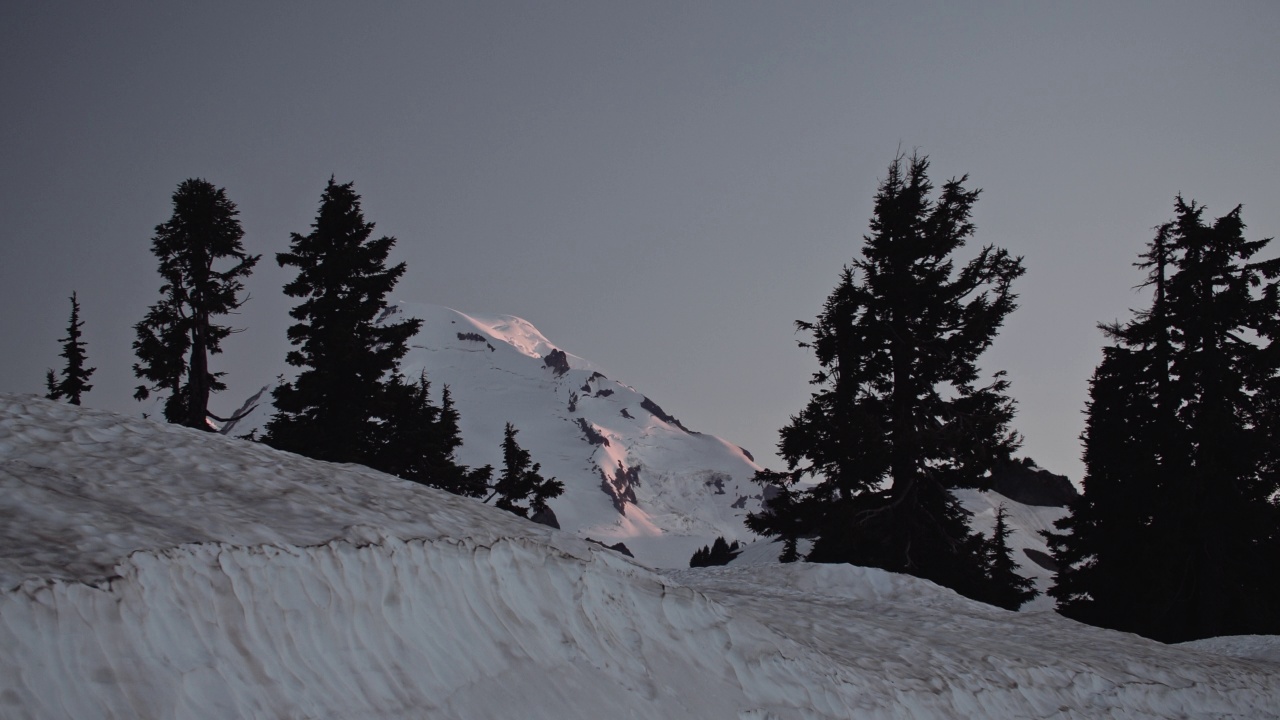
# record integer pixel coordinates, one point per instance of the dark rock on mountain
(558, 361)
(1025, 482)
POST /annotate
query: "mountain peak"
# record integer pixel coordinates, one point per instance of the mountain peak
(632, 472)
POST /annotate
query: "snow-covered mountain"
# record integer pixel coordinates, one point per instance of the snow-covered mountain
(153, 571)
(632, 473)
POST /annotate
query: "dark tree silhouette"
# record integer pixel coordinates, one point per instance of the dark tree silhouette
(178, 334)
(1010, 590)
(718, 553)
(421, 440)
(344, 340)
(1178, 521)
(900, 416)
(75, 376)
(520, 480)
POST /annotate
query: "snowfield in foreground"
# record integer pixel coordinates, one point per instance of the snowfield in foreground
(150, 571)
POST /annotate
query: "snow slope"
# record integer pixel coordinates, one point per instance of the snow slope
(151, 571)
(632, 473)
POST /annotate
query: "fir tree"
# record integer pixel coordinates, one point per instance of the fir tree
(448, 473)
(521, 480)
(421, 441)
(1107, 547)
(1178, 514)
(718, 553)
(178, 334)
(900, 416)
(336, 408)
(1009, 589)
(75, 376)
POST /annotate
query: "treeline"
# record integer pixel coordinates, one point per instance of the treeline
(1177, 533)
(349, 402)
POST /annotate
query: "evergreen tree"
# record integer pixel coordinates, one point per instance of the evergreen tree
(1009, 589)
(521, 480)
(75, 376)
(718, 553)
(337, 407)
(1178, 515)
(900, 416)
(421, 440)
(1104, 564)
(178, 334)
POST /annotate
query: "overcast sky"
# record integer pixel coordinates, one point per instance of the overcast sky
(662, 188)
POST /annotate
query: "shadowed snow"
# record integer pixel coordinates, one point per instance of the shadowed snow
(150, 571)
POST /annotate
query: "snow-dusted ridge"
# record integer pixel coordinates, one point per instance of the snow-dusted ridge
(151, 571)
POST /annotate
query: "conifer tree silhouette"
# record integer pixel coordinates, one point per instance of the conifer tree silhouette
(421, 440)
(75, 376)
(521, 480)
(178, 334)
(900, 415)
(345, 341)
(1178, 521)
(1010, 589)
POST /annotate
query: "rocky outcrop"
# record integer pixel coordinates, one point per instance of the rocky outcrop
(1025, 482)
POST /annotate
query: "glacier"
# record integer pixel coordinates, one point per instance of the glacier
(153, 571)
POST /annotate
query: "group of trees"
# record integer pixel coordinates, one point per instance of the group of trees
(349, 403)
(1175, 534)
(1178, 527)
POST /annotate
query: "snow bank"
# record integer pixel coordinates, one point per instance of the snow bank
(441, 629)
(1255, 647)
(925, 652)
(149, 571)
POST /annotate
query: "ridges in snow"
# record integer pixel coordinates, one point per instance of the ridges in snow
(939, 655)
(359, 595)
(446, 629)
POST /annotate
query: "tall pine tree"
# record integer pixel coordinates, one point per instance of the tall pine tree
(338, 406)
(900, 416)
(75, 376)
(203, 264)
(1178, 523)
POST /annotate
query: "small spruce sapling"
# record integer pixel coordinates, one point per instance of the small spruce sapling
(75, 376)
(521, 480)
(1009, 589)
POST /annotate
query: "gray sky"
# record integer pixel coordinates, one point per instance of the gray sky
(662, 188)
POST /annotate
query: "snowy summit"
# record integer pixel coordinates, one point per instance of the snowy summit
(153, 571)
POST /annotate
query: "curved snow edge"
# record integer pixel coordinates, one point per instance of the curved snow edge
(394, 628)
